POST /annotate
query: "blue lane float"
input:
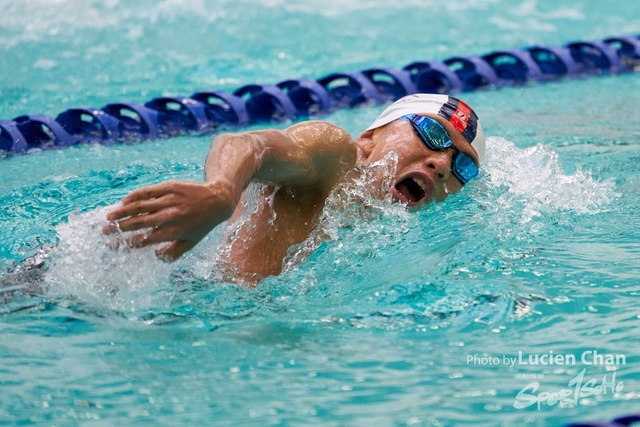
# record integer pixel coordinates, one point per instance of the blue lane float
(474, 73)
(223, 107)
(628, 50)
(350, 90)
(134, 120)
(177, 114)
(554, 62)
(266, 103)
(89, 125)
(294, 99)
(309, 97)
(514, 67)
(625, 421)
(10, 137)
(390, 83)
(40, 131)
(595, 57)
(434, 77)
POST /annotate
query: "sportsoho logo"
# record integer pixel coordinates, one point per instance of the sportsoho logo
(578, 388)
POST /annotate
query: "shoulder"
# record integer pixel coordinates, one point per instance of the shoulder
(329, 149)
(323, 135)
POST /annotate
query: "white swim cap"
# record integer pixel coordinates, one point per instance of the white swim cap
(456, 112)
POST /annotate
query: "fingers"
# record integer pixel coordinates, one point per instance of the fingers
(174, 250)
(138, 222)
(146, 193)
(142, 240)
(139, 207)
(114, 244)
(143, 221)
(168, 253)
(157, 235)
(110, 229)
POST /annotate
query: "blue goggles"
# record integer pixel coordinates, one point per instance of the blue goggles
(436, 137)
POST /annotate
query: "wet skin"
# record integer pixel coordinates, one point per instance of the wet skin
(300, 165)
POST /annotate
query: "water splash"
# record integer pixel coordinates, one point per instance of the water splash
(473, 258)
(362, 204)
(529, 191)
(445, 262)
(89, 266)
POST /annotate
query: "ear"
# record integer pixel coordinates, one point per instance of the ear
(365, 142)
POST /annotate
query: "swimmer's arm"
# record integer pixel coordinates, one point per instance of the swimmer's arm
(309, 156)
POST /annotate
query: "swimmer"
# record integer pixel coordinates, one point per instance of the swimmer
(439, 145)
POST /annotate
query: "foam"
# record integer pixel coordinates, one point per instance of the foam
(528, 185)
(85, 265)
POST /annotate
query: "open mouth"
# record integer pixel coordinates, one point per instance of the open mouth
(413, 190)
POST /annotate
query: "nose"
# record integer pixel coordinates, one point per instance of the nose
(440, 162)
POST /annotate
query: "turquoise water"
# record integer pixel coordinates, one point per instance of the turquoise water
(378, 325)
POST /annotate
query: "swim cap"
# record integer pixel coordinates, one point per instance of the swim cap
(456, 112)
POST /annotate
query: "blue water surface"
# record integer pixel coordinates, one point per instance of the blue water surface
(397, 318)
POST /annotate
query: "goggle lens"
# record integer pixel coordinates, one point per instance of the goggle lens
(436, 137)
(432, 132)
(464, 168)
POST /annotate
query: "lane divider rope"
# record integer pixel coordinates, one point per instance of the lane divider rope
(294, 99)
(624, 421)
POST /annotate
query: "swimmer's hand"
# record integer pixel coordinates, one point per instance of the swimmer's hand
(181, 213)
(309, 156)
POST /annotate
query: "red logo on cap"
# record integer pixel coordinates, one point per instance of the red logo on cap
(460, 118)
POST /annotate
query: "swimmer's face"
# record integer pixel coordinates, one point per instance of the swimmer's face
(423, 175)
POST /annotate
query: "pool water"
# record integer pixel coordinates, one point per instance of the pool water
(399, 317)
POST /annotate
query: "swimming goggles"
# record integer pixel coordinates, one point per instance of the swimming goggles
(436, 137)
